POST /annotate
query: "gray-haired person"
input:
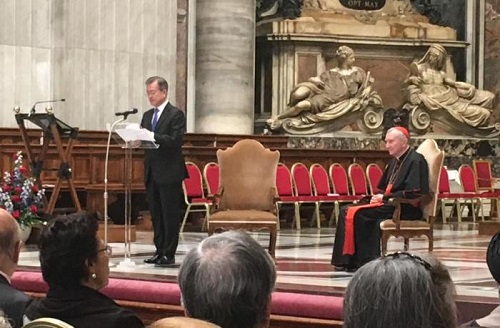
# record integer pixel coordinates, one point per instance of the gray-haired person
(400, 290)
(228, 280)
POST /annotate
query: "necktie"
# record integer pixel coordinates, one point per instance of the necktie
(155, 119)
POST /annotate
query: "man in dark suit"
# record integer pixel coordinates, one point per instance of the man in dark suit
(12, 301)
(164, 170)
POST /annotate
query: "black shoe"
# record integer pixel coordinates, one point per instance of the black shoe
(339, 268)
(153, 259)
(165, 261)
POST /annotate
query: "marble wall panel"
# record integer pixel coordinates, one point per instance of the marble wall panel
(492, 52)
(92, 53)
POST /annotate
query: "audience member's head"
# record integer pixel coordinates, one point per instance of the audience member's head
(182, 322)
(493, 257)
(10, 245)
(401, 290)
(72, 254)
(228, 280)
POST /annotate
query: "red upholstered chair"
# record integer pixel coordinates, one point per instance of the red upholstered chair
(322, 190)
(485, 180)
(340, 183)
(247, 191)
(446, 197)
(286, 195)
(374, 174)
(358, 180)
(193, 193)
(211, 177)
(469, 182)
(303, 189)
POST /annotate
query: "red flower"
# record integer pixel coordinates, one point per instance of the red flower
(34, 189)
(18, 190)
(22, 169)
(16, 214)
(15, 199)
(34, 208)
(7, 188)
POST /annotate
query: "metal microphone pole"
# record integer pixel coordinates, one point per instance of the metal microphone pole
(106, 178)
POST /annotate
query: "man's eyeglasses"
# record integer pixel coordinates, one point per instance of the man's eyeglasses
(108, 250)
(416, 258)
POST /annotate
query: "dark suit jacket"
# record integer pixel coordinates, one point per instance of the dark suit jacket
(165, 164)
(83, 307)
(13, 302)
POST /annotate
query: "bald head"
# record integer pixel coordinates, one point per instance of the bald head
(9, 242)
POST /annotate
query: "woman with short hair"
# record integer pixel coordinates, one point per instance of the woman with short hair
(75, 264)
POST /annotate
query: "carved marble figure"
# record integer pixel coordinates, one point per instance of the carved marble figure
(431, 91)
(340, 91)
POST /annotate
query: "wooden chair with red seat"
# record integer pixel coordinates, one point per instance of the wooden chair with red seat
(247, 191)
(446, 197)
(194, 195)
(469, 183)
(398, 226)
(373, 174)
(322, 189)
(357, 178)
(340, 184)
(211, 177)
(485, 180)
(286, 195)
(303, 190)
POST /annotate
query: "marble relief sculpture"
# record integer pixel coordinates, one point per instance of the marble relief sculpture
(338, 97)
(456, 106)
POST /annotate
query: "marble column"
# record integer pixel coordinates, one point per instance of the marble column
(225, 50)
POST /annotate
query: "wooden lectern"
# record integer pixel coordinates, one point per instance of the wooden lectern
(53, 131)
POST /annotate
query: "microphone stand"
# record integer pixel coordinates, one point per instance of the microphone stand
(106, 177)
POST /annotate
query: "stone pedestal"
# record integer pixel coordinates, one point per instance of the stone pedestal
(225, 47)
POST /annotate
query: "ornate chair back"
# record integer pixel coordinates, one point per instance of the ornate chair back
(358, 179)
(374, 174)
(211, 177)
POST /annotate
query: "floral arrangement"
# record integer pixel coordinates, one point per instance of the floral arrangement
(20, 195)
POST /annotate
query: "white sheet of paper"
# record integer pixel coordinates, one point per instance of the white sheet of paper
(133, 134)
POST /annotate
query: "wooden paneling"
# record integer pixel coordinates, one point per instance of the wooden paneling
(89, 153)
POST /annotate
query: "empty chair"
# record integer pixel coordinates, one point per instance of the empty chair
(193, 193)
(211, 176)
(322, 190)
(358, 180)
(446, 197)
(485, 180)
(286, 195)
(468, 181)
(303, 189)
(247, 190)
(340, 183)
(374, 174)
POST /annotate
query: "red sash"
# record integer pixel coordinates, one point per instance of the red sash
(349, 247)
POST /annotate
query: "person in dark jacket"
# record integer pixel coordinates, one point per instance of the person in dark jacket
(75, 264)
(13, 302)
(164, 170)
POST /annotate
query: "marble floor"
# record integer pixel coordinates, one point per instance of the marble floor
(303, 259)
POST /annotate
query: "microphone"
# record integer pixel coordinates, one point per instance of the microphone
(127, 112)
(45, 101)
